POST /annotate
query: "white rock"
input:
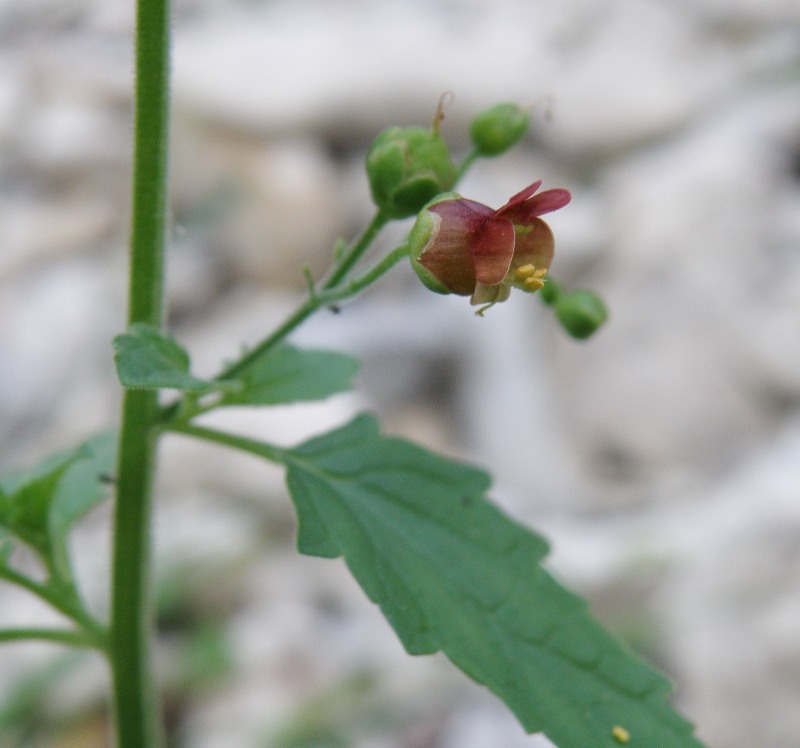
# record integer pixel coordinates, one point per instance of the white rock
(731, 608)
(667, 385)
(629, 71)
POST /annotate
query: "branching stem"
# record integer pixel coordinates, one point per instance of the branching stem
(58, 636)
(315, 300)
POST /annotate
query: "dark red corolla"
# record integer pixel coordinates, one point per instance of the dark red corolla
(464, 247)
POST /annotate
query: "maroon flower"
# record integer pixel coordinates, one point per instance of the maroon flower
(470, 249)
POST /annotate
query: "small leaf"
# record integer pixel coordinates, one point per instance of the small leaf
(6, 546)
(451, 572)
(147, 359)
(287, 374)
(85, 483)
(27, 498)
(40, 505)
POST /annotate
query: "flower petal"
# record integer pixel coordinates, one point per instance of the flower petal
(544, 202)
(534, 246)
(519, 198)
(490, 294)
(448, 254)
(547, 202)
(525, 206)
(461, 216)
(491, 250)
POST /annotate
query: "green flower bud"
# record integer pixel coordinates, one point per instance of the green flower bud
(497, 129)
(550, 292)
(580, 312)
(407, 167)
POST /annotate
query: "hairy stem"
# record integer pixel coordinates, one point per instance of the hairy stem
(135, 701)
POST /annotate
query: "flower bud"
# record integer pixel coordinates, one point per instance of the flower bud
(407, 167)
(550, 292)
(497, 129)
(580, 312)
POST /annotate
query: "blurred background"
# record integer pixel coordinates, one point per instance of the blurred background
(661, 458)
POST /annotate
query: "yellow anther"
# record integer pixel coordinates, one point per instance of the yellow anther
(620, 734)
(540, 273)
(533, 284)
(525, 271)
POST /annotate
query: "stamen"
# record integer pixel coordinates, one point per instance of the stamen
(540, 273)
(525, 271)
(533, 284)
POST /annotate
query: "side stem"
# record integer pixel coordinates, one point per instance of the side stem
(314, 301)
(135, 700)
(353, 255)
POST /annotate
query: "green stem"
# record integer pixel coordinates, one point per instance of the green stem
(303, 312)
(465, 165)
(62, 596)
(131, 613)
(135, 701)
(387, 263)
(242, 443)
(379, 220)
(59, 636)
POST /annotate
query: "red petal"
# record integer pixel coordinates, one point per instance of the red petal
(520, 197)
(523, 211)
(461, 215)
(492, 249)
(547, 202)
(448, 255)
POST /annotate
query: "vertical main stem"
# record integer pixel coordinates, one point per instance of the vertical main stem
(135, 699)
(135, 696)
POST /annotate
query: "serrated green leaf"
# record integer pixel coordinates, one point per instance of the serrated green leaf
(147, 359)
(453, 573)
(287, 374)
